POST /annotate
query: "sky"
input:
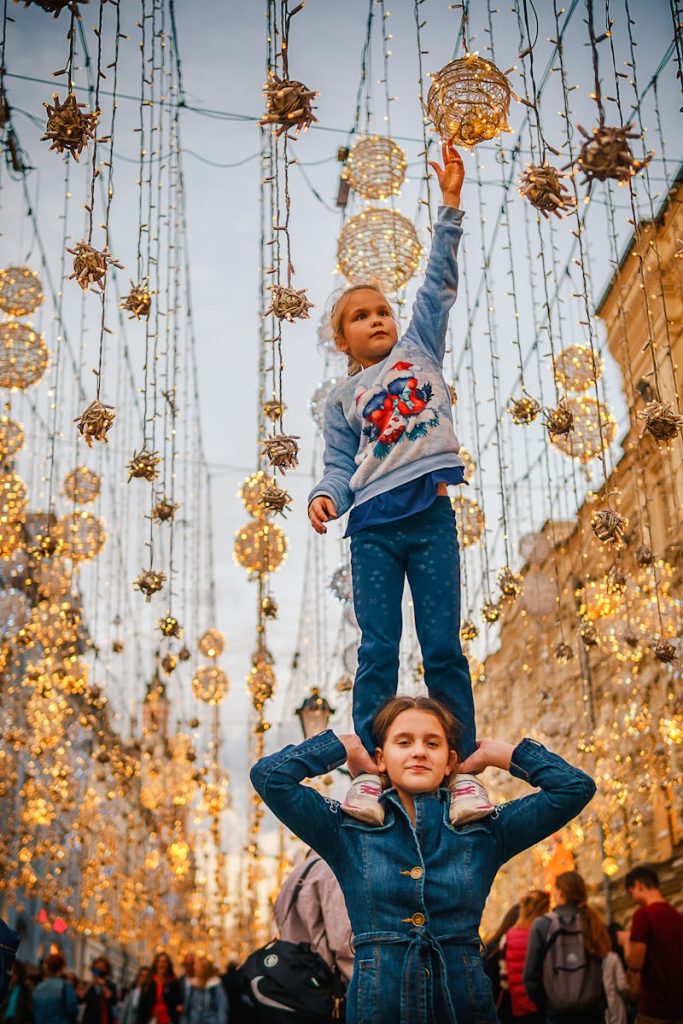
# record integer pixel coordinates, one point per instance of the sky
(223, 51)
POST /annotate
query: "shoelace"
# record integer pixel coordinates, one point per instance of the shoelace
(466, 789)
(368, 789)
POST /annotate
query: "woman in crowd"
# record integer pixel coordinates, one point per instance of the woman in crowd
(533, 905)
(162, 999)
(16, 1007)
(206, 1000)
(54, 1000)
(130, 1011)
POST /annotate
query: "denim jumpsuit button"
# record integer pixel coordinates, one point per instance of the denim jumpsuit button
(417, 919)
(416, 873)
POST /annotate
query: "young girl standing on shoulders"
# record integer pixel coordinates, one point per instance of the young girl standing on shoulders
(391, 452)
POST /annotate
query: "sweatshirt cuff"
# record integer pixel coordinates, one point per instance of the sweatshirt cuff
(450, 215)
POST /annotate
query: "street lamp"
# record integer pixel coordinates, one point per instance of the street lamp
(314, 714)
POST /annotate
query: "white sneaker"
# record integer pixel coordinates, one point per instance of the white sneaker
(362, 800)
(469, 800)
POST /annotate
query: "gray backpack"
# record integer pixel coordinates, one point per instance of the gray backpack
(572, 977)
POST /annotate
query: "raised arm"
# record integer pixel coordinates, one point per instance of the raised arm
(277, 779)
(437, 294)
(339, 465)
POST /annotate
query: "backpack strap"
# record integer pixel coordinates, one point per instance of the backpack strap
(297, 888)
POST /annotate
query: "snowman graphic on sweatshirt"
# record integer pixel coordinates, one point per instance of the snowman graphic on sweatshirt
(396, 410)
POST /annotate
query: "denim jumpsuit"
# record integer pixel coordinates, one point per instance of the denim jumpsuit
(415, 893)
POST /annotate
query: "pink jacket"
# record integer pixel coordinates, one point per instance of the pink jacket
(319, 915)
(516, 942)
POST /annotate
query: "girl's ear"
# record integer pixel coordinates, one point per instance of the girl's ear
(379, 758)
(452, 764)
(340, 343)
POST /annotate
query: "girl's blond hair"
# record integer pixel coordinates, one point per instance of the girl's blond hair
(332, 326)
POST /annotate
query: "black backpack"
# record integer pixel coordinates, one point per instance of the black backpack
(288, 983)
(572, 977)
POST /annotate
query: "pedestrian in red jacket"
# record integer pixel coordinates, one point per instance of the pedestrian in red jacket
(535, 904)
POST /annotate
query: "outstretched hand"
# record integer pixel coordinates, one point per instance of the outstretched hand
(320, 511)
(451, 175)
(489, 754)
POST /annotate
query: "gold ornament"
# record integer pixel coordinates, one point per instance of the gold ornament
(184, 654)
(379, 246)
(269, 607)
(164, 510)
(510, 583)
(282, 451)
(252, 490)
(138, 301)
(82, 485)
(664, 651)
(607, 154)
(143, 465)
(23, 355)
(170, 627)
(577, 368)
(288, 104)
(453, 394)
(210, 684)
(542, 185)
(11, 437)
(44, 537)
(289, 304)
(469, 100)
(468, 631)
(260, 547)
(21, 291)
(118, 646)
(644, 555)
(261, 683)
(149, 582)
(341, 584)
(609, 527)
(275, 500)
(490, 612)
(589, 634)
(168, 663)
(524, 410)
(469, 518)
(468, 463)
(68, 127)
(376, 167)
(274, 410)
(563, 653)
(615, 582)
(660, 421)
(84, 535)
(13, 502)
(90, 265)
(94, 424)
(593, 430)
(212, 643)
(559, 421)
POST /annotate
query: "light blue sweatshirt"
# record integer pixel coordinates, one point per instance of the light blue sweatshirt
(393, 422)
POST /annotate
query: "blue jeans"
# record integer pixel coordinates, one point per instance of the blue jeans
(424, 548)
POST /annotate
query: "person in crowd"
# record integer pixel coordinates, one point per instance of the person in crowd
(654, 948)
(615, 981)
(415, 888)
(206, 1000)
(310, 908)
(495, 966)
(163, 998)
(130, 1007)
(16, 1007)
(186, 977)
(98, 995)
(54, 999)
(238, 1013)
(563, 967)
(9, 943)
(532, 906)
(390, 451)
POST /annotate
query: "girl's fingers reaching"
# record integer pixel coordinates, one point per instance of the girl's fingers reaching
(436, 168)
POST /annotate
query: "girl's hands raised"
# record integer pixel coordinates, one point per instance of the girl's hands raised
(451, 175)
(489, 754)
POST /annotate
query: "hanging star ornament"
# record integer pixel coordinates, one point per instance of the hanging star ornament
(96, 421)
(143, 465)
(91, 265)
(288, 104)
(70, 126)
(282, 451)
(660, 422)
(606, 154)
(149, 582)
(138, 301)
(541, 185)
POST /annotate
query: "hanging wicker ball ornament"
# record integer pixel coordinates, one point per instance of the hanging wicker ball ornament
(468, 631)
(184, 653)
(210, 684)
(563, 653)
(288, 105)
(609, 526)
(660, 422)
(577, 368)
(91, 265)
(316, 404)
(149, 582)
(84, 535)
(15, 611)
(70, 126)
(376, 167)
(589, 634)
(289, 304)
(468, 463)
(273, 409)
(13, 502)
(212, 643)
(510, 583)
(269, 607)
(164, 510)
(593, 429)
(11, 437)
(469, 100)
(524, 410)
(664, 651)
(260, 547)
(82, 485)
(143, 465)
(21, 291)
(170, 627)
(252, 490)
(282, 451)
(606, 154)
(95, 423)
(559, 421)
(138, 301)
(644, 555)
(469, 518)
(341, 584)
(542, 185)
(275, 501)
(490, 612)
(23, 355)
(261, 683)
(379, 246)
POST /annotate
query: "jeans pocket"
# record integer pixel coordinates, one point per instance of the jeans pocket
(366, 996)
